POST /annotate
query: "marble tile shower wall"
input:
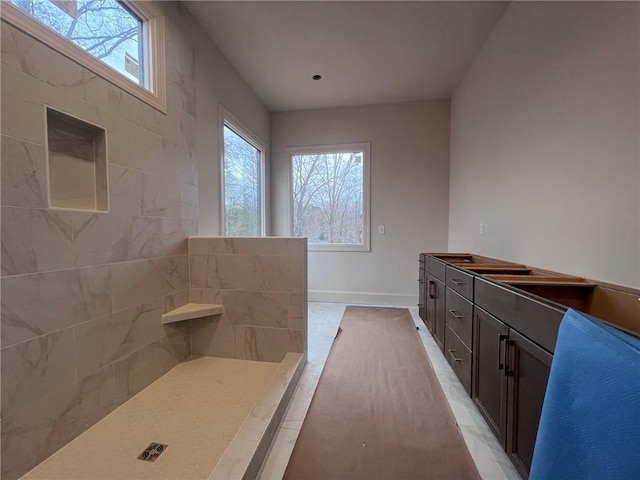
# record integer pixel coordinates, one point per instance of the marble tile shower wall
(83, 292)
(262, 283)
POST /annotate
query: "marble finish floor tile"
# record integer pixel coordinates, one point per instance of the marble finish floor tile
(324, 319)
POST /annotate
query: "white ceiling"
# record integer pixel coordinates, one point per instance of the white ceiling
(366, 52)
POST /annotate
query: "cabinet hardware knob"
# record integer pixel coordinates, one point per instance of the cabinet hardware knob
(457, 282)
(455, 359)
(455, 314)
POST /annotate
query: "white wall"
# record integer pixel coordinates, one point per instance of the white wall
(409, 194)
(218, 83)
(545, 141)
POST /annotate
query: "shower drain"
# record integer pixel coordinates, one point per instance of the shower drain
(152, 452)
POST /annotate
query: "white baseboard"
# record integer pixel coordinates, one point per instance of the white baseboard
(363, 298)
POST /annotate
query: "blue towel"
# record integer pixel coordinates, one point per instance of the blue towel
(590, 423)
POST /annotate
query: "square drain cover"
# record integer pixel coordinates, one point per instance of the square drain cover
(152, 452)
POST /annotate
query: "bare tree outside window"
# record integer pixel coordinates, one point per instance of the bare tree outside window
(242, 186)
(106, 29)
(328, 197)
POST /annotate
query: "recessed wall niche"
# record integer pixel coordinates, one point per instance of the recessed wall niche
(77, 163)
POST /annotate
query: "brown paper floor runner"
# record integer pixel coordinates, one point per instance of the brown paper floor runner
(378, 411)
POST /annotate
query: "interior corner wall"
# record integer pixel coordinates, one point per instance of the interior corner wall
(545, 141)
(409, 194)
(218, 83)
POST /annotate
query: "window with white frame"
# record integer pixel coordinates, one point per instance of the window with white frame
(243, 194)
(330, 196)
(119, 40)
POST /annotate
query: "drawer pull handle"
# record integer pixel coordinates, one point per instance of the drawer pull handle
(509, 372)
(501, 338)
(457, 282)
(455, 314)
(432, 292)
(455, 359)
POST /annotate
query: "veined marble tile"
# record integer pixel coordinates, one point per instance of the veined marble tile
(181, 72)
(145, 280)
(125, 190)
(136, 147)
(25, 106)
(38, 430)
(34, 368)
(297, 311)
(204, 245)
(172, 239)
(203, 269)
(249, 272)
(206, 295)
(271, 344)
(240, 342)
(147, 364)
(189, 170)
(235, 460)
(24, 176)
(100, 238)
(36, 304)
(281, 450)
(161, 197)
(189, 198)
(263, 309)
(44, 63)
(176, 300)
(138, 113)
(106, 339)
(301, 399)
(34, 241)
(211, 338)
(262, 246)
(21, 117)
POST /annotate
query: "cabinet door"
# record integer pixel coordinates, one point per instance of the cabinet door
(489, 382)
(528, 367)
(439, 313)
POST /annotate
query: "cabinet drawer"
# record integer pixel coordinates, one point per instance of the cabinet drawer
(460, 316)
(459, 357)
(460, 281)
(532, 318)
(436, 268)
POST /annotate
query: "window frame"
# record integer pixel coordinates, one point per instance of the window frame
(365, 148)
(227, 119)
(154, 91)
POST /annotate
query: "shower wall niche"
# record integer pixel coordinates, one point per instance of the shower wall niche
(77, 163)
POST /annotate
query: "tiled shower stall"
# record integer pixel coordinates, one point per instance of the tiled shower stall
(83, 292)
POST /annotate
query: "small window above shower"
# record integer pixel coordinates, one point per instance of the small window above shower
(77, 163)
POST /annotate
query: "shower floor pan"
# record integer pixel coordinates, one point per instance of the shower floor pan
(215, 418)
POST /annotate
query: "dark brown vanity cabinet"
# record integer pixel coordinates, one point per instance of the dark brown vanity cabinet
(500, 331)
